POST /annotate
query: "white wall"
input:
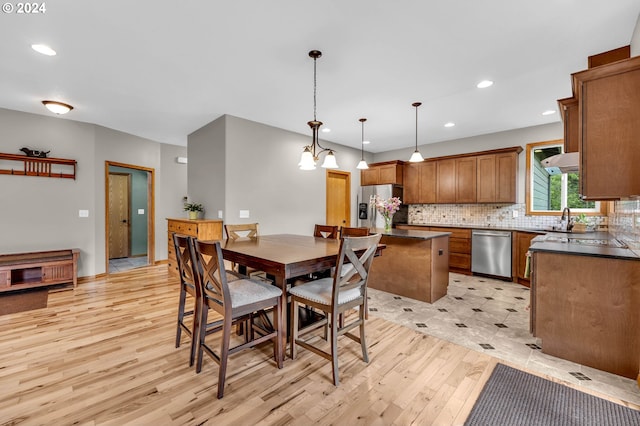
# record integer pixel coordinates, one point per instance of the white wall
(518, 137)
(261, 175)
(38, 213)
(635, 39)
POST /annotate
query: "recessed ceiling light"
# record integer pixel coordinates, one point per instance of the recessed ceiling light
(57, 107)
(449, 124)
(44, 49)
(549, 112)
(484, 84)
(326, 130)
(366, 142)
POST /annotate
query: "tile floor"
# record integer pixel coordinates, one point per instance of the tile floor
(127, 263)
(491, 316)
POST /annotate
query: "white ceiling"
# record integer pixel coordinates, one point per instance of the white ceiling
(163, 69)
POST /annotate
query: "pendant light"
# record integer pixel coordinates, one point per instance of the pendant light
(309, 155)
(416, 157)
(362, 164)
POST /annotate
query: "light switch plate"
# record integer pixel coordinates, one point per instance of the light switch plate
(140, 211)
(83, 213)
(220, 214)
(244, 214)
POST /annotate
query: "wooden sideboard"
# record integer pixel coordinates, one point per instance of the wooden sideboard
(19, 271)
(202, 229)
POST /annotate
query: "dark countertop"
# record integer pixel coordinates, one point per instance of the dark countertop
(410, 233)
(601, 244)
(465, 226)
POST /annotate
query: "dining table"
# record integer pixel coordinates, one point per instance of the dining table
(284, 257)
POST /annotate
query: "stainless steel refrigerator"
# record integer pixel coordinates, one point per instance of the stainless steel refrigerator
(368, 216)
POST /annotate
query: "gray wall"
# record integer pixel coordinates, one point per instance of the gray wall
(518, 137)
(635, 39)
(38, 213)
(260, 174)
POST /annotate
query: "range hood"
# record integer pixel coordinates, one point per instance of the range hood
(562, 163)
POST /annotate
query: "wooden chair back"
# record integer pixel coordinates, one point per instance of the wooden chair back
(185, 264)
(354, 266)
(353, 232)
(211, 278)
(245, 230)
(326, 231)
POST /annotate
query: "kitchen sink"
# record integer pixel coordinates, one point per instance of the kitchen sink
(586, 241)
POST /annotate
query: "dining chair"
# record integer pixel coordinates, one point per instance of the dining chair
(235, 301)
(334, 296)
(326, 231)
(245, 230)
(187, 287)
(346, 231)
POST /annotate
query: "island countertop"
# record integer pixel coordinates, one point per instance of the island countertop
(411, 233)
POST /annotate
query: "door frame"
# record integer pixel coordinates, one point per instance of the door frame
(151, 255)
(128, 175)
(347, 175)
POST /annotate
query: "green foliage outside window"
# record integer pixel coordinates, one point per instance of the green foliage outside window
(573, 191)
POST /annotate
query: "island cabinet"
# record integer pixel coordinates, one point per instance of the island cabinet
(414, 264)
(420, 183)
(382, 173)
(609, 129)
(459, 246)
(202, 229)
(585, 309)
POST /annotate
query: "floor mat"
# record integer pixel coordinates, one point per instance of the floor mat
(23, 300)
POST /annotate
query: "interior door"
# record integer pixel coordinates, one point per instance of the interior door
(338, 198)
(119, 215)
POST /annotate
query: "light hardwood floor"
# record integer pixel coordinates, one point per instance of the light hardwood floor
(104, 354)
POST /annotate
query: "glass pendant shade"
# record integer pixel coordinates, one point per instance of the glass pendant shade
(306, 160)
(362, 165)
(416, 157)
(330, 161)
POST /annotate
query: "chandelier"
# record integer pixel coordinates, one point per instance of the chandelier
(310, 154)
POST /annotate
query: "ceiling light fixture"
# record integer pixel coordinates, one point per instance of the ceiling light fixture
(44, 49)
(449, 124)
(309, 155)
(484, 84)
(57, 107)
(362, 164)
(416, 157)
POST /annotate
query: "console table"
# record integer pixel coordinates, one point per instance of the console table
(35, 269)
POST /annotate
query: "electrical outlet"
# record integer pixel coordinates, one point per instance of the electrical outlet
(140, 211)
(515, 213)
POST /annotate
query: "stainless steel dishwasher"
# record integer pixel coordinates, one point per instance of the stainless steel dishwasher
(491, 252)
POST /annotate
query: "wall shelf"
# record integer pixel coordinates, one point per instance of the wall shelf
(37, 166)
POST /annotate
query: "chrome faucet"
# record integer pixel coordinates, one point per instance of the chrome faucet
(569, 225)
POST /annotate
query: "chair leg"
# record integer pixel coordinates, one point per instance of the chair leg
(294, 327)
(195, 333)
(181, 302)
(277, 324)
(362, 314)
(334, 348)
(224, 355)
(201, 335)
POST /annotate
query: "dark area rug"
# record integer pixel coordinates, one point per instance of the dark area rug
(513, 397)
(23, 300)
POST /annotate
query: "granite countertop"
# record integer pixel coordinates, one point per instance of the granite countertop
(410, 233)
(601, 244)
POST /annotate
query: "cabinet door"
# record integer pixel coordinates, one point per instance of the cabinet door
(486, 179)
(569, 115)
(391, 173)
(446, 182)
(411, 191)
(370, 176)
(466, 175)
(57, 272)
(506, 177)
(428, 180)
(610, 130)
(523, 241)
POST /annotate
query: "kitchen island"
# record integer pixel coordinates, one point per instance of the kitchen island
(415, 264)
(585, 293)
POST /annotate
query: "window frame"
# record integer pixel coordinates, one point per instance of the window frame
(599, 210)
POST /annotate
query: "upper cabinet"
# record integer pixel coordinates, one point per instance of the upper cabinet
(382, 173)
(602, 122)
(481, 177)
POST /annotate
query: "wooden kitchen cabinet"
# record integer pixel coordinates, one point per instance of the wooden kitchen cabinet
(459, 246)
(609, 129)
(389, 172)
(446, 181)
(497, 177)
(456, 180)
(202, 229)
(569, 113)
(522, 242)
(420, 183)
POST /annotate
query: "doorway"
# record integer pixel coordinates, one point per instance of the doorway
(338, 198)
(129, 216)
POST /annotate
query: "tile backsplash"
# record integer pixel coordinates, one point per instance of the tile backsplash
(624, 222)
(498, 215)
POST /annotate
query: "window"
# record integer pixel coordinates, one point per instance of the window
(549, 194)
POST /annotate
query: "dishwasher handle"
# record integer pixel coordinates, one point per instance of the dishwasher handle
(503, 234)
